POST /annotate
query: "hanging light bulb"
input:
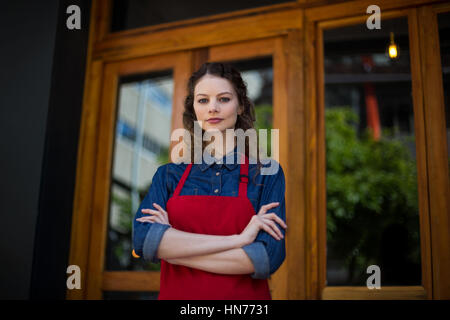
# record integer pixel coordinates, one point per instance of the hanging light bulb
(393, 50)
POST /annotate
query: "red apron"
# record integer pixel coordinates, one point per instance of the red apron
(214, 215)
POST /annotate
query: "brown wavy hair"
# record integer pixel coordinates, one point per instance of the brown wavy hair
(244, 121)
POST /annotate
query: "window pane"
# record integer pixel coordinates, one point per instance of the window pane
(372, 203)
(141, 146)
(130, 14)
(444, 42)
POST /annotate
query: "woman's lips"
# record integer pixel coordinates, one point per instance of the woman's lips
(214, 120)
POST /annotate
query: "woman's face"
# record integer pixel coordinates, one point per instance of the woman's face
(216, 103)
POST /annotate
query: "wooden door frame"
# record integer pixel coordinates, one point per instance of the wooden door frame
(342, 14)
(113, 55)
(437, 153)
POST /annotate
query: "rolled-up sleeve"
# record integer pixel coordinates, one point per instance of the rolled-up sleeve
(273, 191)
(258, 255)
(147, 235)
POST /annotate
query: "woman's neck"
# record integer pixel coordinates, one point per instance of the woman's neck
(219, 152)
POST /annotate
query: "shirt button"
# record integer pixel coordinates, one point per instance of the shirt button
(217, 173)
(217, 190)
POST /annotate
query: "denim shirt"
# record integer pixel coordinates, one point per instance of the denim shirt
(266, 253)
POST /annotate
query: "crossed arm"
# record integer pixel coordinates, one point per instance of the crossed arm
(234, 254)
(216, 254)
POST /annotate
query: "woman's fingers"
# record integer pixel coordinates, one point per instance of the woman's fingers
(154, 212)
(147, 219)
(157, 206)
(266, 207)
(269, 230)
(269, 220)
(160, 209)
(160, 215)
(276, 218)
(274, 227)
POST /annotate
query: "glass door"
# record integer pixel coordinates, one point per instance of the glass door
(141, 145)
(371, 167)
(373, 216)
(135, 124)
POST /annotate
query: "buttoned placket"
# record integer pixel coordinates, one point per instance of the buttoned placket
(217, 179)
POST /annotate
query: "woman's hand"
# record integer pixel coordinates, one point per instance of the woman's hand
(264, 221)
(160, 215)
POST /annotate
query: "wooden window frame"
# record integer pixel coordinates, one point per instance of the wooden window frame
(434, 237)
(437, 153)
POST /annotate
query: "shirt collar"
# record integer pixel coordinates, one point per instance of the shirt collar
(230, 166)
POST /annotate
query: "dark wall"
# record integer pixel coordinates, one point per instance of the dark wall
(41, 88)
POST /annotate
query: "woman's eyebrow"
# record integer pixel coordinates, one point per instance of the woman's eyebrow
(202, 94)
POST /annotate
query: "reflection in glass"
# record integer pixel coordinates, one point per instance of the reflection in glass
(141, 145)
(444, 43)
(372, 202)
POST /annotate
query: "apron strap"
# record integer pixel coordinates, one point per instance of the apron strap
(243, 177)
(182, 180)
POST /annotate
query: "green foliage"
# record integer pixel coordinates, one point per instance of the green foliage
(264, 120)
(264, 115)
(124, 204)
(370, 185)
(163, 156)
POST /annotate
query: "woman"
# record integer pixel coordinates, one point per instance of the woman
(200, 219)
